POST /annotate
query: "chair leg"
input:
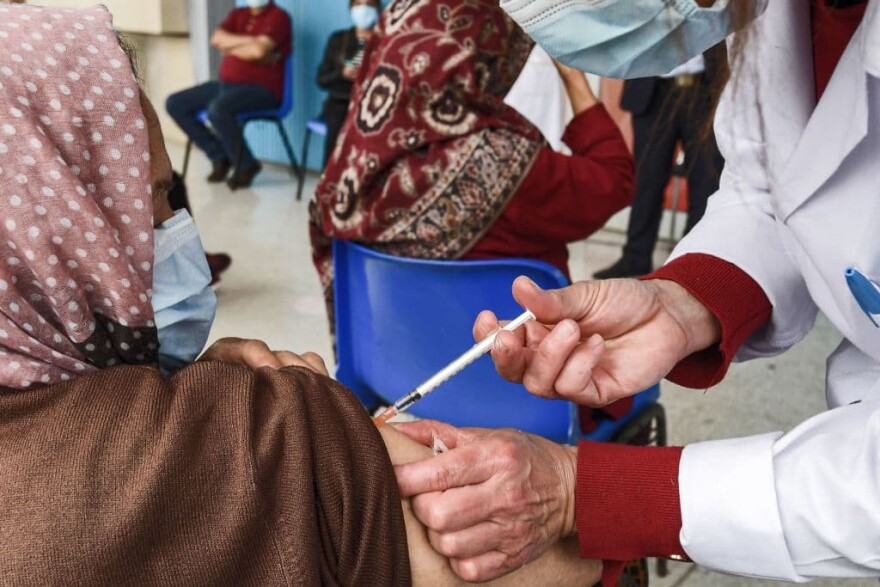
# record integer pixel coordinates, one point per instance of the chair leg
(189, 145)
(305, 153)
(239, 150)
(294, 164)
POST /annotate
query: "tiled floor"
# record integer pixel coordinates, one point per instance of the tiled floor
(271, 292)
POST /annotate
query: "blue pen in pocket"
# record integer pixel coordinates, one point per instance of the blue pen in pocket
(865, 291)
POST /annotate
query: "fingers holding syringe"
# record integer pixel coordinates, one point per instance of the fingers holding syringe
(509, 349)
(529, 334)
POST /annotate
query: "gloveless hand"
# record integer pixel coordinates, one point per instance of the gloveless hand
(496, 501)
(595, 342)
(257, 354)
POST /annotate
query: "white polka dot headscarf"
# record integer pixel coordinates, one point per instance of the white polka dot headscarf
(76, 251)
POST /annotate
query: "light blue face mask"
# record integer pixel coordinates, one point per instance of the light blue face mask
(257, 3)
(183, 301)
(625, 38)
(364, 17)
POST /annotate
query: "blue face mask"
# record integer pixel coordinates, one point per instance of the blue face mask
(364, 17)
(258, 3)
(183, 301)
(625, 38)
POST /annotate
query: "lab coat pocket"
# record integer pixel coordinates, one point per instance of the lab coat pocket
(865, 292)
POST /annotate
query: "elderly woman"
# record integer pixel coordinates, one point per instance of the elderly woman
(431, 162)
(223, 473)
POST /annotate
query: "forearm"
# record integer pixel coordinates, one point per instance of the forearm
(251, 51)
(580, 94)
(224, 41)
(793, 507)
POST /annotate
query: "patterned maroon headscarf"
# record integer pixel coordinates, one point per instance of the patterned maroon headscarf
(75, 203)
(430, 154)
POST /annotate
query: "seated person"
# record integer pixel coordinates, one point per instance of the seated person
(248, 467)
(255, 42)
(340, 65)
(432, 163)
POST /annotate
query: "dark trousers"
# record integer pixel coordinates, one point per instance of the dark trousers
(223, 102)
(334, 114)
(675, 114)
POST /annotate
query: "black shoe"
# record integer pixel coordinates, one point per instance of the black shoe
(624, 268)
(244, 179)
(219, 171)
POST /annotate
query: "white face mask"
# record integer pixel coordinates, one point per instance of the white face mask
(183, 301)
(625, 38)
(364, 17)
(256, 4)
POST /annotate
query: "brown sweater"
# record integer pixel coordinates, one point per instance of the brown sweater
(219, 476)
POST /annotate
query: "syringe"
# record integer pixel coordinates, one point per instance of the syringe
(447, 372)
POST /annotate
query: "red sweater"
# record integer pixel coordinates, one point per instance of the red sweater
(565, 198)
(272, 22)
(627, 498)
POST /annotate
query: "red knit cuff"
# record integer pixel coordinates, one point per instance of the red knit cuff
(627, 503)
(738, 302)
(591, 126)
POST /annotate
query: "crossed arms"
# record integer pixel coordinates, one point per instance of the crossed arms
(259, 48)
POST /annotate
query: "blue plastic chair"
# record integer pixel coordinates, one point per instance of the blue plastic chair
(274, 115)
(399, 320)
(314, 126)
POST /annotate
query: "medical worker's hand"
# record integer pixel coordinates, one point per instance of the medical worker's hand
(256, 354)
(595, 342)
(495, 501)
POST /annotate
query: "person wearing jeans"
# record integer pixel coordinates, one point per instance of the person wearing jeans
(255, 42)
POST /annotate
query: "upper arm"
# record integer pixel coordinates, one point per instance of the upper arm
(827, 487)
(740, 225)
(565, 198)
(228, 25)
(791, 508)
(330, 69)
(279, 31)
(223, 34)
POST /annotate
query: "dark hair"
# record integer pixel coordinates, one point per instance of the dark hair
(377, 4)
(743, 14)
(128, 48)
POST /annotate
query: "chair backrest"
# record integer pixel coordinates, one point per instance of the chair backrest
(399, 320)
(287, 93)
(284, 107)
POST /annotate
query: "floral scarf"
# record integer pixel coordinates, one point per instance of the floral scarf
(430, 155)
(76, 211)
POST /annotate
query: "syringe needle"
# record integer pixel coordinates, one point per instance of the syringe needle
(449, 371)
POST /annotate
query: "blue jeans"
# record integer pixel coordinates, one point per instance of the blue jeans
(223, 102)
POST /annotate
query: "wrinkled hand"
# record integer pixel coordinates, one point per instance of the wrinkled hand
(256, 354)
(496, 501)
(595, 342)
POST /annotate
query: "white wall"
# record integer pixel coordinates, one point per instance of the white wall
(152, 17)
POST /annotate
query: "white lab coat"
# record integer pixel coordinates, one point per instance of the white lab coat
(799, 202)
